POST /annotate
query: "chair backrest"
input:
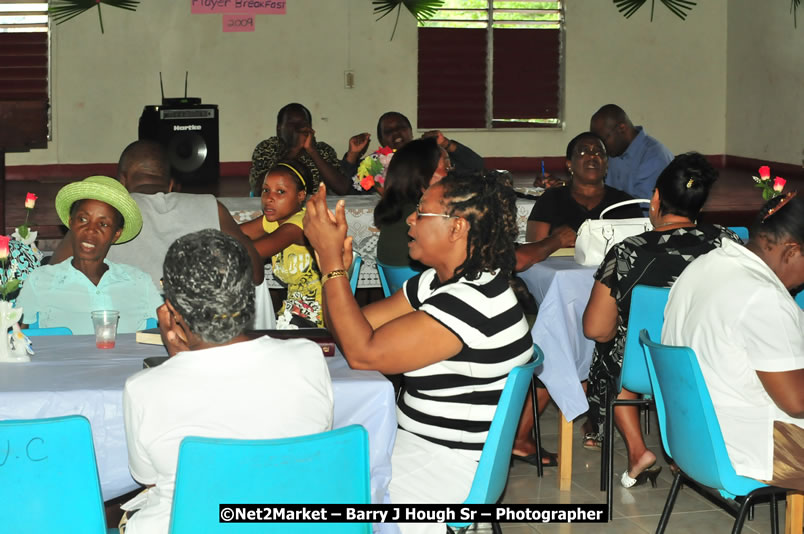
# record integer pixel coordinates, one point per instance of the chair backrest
(393, 276)
(354, 270)
(687, 418)
(800, 299)
(492, 469)
(647, 312)
(741, 231)
(48, 476)
(331, 467)
(52, 331)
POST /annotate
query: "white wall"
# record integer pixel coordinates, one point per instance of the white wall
(669, 75)
(765, 105)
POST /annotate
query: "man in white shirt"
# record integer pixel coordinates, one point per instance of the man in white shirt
(217, 383)
(734, 309)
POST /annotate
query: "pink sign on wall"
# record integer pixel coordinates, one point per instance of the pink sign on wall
(238, 23)
(247, 7)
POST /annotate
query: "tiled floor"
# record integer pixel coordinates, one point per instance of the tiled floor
(636, 511)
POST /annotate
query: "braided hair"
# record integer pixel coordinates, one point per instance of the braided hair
(207, 277)
(488, 203)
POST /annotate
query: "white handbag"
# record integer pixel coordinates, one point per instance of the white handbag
(596, 237)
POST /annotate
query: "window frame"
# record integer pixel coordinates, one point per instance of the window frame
(38, 26)
(490, 23)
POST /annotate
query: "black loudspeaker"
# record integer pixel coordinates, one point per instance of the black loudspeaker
(190, 135)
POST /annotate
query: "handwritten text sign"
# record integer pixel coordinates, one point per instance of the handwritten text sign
(238, 23)
(249, 7)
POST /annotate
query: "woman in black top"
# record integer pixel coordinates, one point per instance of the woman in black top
(654, 258)
(559, 212)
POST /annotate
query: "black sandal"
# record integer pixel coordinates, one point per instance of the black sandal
(549, 459)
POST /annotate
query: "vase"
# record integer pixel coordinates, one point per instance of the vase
(16, 351)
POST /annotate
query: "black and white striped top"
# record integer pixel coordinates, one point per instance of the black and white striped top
(452, 402)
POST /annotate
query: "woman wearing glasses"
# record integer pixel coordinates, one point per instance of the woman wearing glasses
(560, 211)
(455, 330)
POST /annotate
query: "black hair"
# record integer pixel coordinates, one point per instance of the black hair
(300, 168)
(293, 106)
(488, 203)
(780, 219)
(385, 116)
(147, 154)
(118, 217)
(207, 278)
(408, 174)
(684, 185)
(583, 135)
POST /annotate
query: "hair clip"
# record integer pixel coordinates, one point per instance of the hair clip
(225, 316)
(690, 182)
(785, 199)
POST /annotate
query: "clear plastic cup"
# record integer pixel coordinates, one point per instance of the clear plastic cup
(105, 322)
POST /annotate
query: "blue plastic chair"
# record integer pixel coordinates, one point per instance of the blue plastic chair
(393, 276)
(647, 312)
(800, 299)
(354, 271)
(49, 476)
(741, 231)
(692, 435)
(331, 467)
(492, 469)
(32, 331)
(151, 322)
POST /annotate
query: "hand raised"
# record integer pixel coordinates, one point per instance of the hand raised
(173, 334)
(358, 143)
(442, 141)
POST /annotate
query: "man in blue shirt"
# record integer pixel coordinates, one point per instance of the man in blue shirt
(635, 158)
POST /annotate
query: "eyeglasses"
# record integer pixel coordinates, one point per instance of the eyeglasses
(581, 152)
(419, 214)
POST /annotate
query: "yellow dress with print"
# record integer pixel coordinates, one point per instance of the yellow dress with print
(295, 267)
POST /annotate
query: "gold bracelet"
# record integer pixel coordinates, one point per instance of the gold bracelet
(333, 274)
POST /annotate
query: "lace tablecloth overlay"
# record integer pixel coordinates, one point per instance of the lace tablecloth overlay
(360, 217)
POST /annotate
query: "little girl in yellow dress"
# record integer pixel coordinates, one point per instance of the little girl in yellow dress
(279, 235)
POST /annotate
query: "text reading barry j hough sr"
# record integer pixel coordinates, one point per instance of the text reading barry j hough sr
(386, 513)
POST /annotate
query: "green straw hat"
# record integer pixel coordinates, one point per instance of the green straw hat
(106, 190)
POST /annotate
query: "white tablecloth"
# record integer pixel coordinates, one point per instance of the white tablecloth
(360, 217)
(562, 287)
(68, 375)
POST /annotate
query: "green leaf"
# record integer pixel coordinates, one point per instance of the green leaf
(64, 10)
(10, 287)
(678, 7)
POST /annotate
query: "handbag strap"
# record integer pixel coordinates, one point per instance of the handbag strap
(624, 203)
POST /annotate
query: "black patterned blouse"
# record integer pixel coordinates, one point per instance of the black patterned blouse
(651, 259)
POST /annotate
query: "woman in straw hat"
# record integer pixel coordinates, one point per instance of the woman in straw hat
(99, 211)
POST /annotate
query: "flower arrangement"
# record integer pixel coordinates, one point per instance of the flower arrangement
(10, 283)
(23, 232)
(371, 171)
(18, 254)
(769, 189)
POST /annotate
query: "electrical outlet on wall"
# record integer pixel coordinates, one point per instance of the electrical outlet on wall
(349, 79)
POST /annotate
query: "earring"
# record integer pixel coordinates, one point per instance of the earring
(652, 209)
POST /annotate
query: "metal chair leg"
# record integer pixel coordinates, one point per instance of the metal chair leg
(606, 446)
(669, 503)
(537, 435)
(774, 509)
(495, 528)
(742, 513)
(609, 440)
